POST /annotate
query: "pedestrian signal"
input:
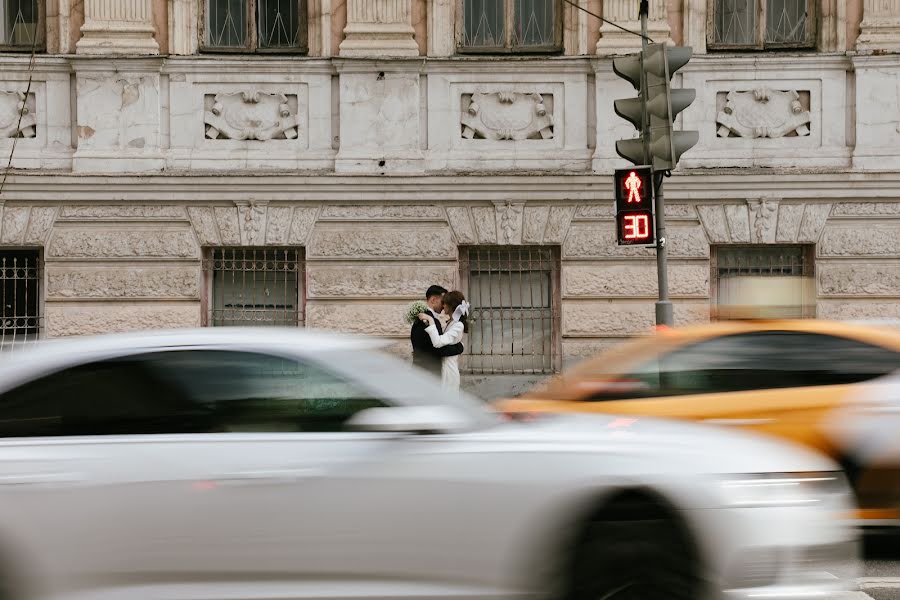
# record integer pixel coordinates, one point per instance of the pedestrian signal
(635, 225)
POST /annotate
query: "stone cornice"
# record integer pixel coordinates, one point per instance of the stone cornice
(698, 187)
(247, 65)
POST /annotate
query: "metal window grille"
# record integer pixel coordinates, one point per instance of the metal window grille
(757, 24)
(21, 24)
(254, 287)
(776, 279)
(21, 276)
(255, 25)
(510, 26)
(514, 320)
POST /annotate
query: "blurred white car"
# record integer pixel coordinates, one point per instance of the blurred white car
(283, 464)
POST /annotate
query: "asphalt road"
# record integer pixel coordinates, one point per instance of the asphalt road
(881, 572)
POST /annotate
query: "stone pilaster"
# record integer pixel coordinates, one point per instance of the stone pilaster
(441, 28)
(117, 27)
(379, 28)
(694, 30)
(183, 35)
(880, 27)
(625, 13)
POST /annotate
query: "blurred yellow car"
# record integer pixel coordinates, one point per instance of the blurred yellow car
(783, 378)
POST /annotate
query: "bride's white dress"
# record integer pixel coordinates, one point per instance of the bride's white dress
(453, 334)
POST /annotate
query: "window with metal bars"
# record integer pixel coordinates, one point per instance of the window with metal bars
(777, 279)
(254, 287)
(254, 25)
(514, 319)
(21, 25)
(21, 277)
(761, 24)
(528, 26)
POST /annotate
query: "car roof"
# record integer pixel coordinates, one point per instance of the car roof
(52, 352)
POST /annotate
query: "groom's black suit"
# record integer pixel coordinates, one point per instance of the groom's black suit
(425, 355)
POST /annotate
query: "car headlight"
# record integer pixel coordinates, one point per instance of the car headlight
(782, 489)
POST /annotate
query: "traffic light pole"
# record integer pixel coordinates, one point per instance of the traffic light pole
(664, 314)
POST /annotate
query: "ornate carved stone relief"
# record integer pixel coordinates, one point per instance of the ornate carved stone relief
(253, 223)
(510, 223)
(507, 115)
(26, 225)
(764, 113)
(13, 106)
(764, 221)
(251, 116)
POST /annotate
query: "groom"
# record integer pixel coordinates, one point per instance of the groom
(425, 355)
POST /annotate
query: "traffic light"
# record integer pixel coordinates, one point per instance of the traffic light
(663, 104)
(631, 69)
(635, 225)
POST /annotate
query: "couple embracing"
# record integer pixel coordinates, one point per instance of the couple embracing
(436, 344)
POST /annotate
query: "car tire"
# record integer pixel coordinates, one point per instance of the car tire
(634, 559)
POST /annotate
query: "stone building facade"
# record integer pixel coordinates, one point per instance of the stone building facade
(318, 163)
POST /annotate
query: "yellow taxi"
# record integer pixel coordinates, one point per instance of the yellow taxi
(783, 377)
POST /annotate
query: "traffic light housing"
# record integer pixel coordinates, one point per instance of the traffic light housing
(632, 110)
(635, 223)
(663, 104)
(653, 111)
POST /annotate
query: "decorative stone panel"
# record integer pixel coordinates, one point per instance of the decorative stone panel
(26, 225)
(14, 224)
(382, 319)
(66, 318)
(251, 115)
(511, 223)
(861, 240)
(764, 113)
(122, 212)
(253, 223)
(383, 212)
(858, 279)
(763, 221)
(857, 310)
(598, 240)
(17, 117)
(485, 224)
(558, 224)
(607, 210)
(866, 209)
(365, 281)
(122, 282)
(302, 224)
(418, 242)
(619, 318)
(40, 224)
(507, 115)
(633, 280)
(461, 223)
(107, 243)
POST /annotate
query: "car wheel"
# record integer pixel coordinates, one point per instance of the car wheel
(634, 559)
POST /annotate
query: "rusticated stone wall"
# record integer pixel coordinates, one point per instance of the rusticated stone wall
(136, 265)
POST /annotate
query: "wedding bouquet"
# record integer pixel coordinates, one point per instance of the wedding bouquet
(414, 310)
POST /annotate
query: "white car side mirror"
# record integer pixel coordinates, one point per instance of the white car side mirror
(410, 419)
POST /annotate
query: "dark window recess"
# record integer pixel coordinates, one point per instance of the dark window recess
(20, 296)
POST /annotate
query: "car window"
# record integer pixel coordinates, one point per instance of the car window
(761, 360)
(196, 391)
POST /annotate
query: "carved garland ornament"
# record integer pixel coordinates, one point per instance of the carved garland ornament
(14, 105)
(763, 113)
(251, 116)
(507, 116)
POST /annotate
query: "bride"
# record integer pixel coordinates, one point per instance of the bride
(455, 305)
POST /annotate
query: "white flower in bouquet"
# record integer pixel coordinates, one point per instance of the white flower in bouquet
(414, 310)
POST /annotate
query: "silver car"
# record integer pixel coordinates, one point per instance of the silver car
(276, 464)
